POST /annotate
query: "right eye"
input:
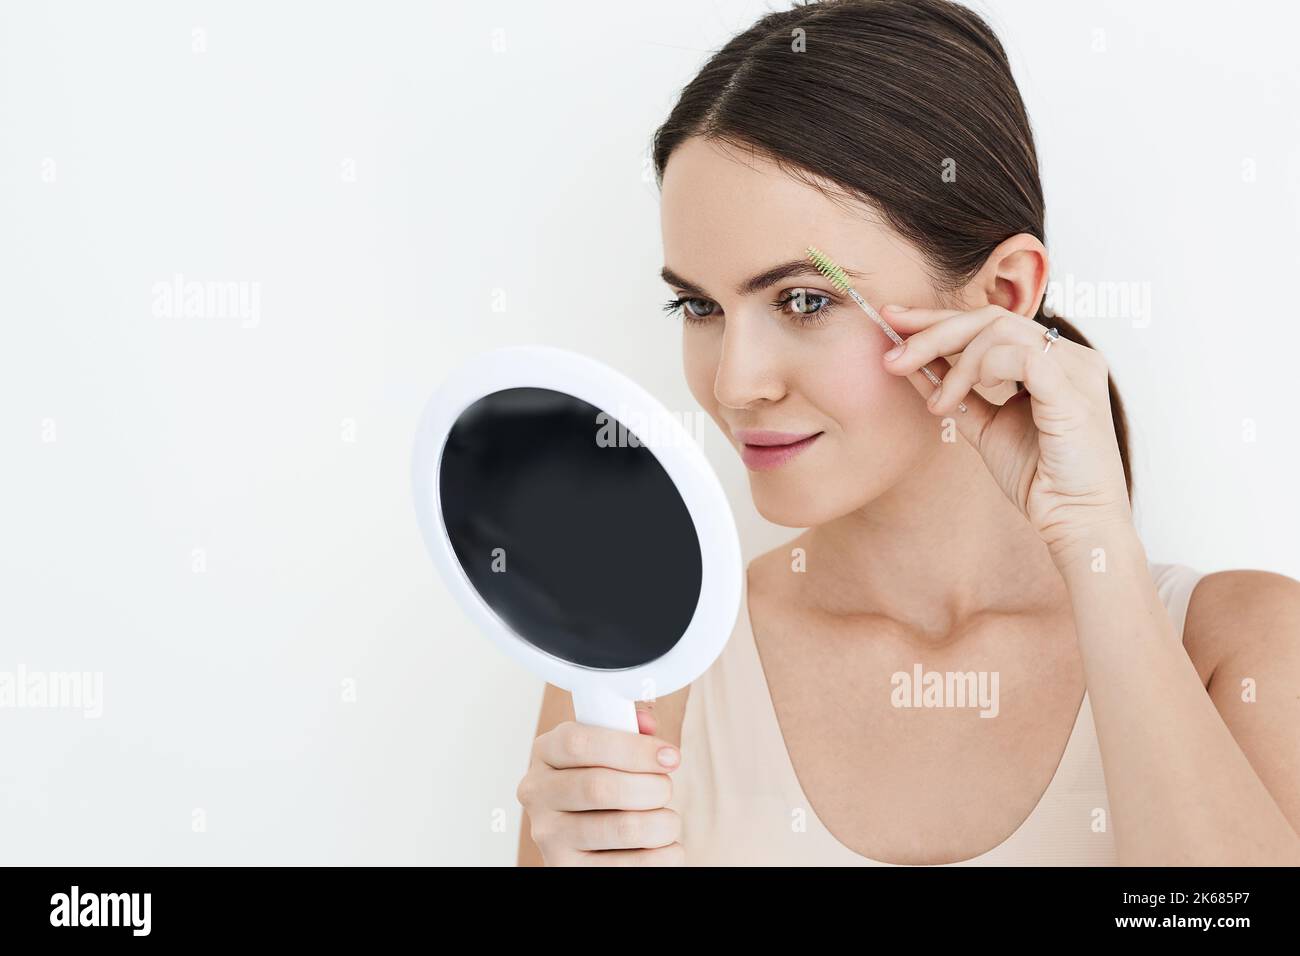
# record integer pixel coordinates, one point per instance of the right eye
(693, 309)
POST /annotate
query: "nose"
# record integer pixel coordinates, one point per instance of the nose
(749, 367)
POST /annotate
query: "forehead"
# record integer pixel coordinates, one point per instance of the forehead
(727, 213)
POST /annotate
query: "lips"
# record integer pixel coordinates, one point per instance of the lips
(765, 450)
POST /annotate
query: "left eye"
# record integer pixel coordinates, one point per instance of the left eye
(809, 307)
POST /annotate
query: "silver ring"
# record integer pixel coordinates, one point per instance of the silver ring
(1051, 335)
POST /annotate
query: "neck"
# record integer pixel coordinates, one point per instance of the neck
(940, 546)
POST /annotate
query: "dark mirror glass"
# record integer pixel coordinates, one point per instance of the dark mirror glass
(569, 529)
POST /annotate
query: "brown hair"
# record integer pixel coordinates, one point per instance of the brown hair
(884, 96)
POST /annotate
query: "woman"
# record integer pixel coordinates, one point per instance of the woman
(991, 551)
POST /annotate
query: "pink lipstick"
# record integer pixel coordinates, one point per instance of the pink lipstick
(765, 450)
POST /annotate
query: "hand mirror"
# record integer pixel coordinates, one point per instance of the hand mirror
(579, 525)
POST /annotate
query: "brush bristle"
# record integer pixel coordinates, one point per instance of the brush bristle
(828, 268)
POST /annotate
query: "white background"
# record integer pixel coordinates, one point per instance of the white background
(516, 176)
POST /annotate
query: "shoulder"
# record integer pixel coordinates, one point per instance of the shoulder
(1238, 612)
(1247, 598)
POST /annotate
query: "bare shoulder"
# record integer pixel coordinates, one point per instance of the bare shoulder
(1244, 626)
(1239, 613)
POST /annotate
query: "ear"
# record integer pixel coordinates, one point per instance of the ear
(1014, 276)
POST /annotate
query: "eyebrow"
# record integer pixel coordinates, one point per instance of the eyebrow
(786, 270)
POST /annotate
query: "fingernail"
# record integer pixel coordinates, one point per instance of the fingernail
(896, 308)
(668, 756)
(896, 351)
(934, 397)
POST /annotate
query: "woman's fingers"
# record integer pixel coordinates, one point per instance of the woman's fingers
(989, 359)
(673, 855)
(945, 332)
(979, 410)
(599, 797)
(939, 332)
(969, 367)
(621, 830)
(1044, 377)
(971, 336)
(646, 721)
(599, 788)
(942, 332)
(571, 744)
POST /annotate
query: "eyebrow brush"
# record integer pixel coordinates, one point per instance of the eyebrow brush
(840, 280)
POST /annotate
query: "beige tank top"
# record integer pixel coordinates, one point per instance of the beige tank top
(742, 805)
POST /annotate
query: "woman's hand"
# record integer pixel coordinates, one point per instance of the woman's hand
(1052, 447)
(598, 797)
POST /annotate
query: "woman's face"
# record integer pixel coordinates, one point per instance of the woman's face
(789, 353)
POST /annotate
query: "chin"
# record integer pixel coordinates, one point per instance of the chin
(793, 507)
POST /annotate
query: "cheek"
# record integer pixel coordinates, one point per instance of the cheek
(846, 378)
(880, 424)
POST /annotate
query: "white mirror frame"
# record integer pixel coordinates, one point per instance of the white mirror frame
(601, 697)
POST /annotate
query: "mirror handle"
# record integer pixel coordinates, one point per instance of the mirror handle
(598, 707)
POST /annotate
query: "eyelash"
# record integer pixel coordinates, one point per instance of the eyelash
(807, 319)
